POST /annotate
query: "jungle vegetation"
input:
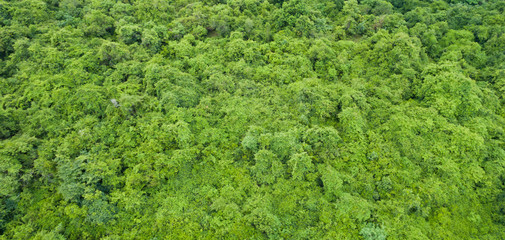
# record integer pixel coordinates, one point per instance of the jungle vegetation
(252, 119)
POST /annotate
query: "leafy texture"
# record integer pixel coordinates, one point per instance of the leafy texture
(252, 119)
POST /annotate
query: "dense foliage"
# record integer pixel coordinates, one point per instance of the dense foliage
(252, 119)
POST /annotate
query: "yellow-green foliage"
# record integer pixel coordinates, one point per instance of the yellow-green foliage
(252, 119)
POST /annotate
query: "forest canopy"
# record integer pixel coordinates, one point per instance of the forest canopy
(252, 119)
